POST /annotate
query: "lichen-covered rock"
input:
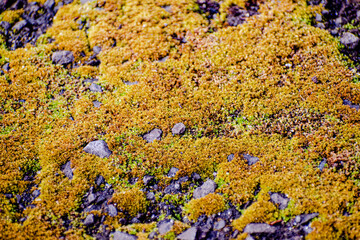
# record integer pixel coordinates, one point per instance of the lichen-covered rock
(98, 148)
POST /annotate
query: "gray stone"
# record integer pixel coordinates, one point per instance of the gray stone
(350, 104)
(280, 200)
(189, 234)
(150, 196)
(19, 25)
(98, 148)
(172, 172)
(318, 17)
(49, 4)
(322, 164)
(208, 187)
(154, 134)
(96, 50)
(111, 209)
(89, 220)
(167, 8)
(349, 40)
(320, 25)
(36, 193)
(259, 228)
(123, 236)
(95, 88)
(131, 83)
(97, 104)
(6, 67)
(178, 129)
(305, 218)
(219, 225)
(147, 179)
(165, 226)
(99, 180)
(250, 159)
(67, 170)
(86, 1)
(230, 157)
(91, 198)
(163, 59)
(338, 22)
(62, 57)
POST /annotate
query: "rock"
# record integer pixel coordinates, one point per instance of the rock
(165, 226)
(305, 218)
(6, 67)
(36, 193)
(123, 236)
(250, 159)
(97, 104)
(99, 180)
(154, 134)
(350, 104)
(91, 198)
(349, 40)
(230, 157)
(152, 235)
(322, 164)
(178, 129)
(147, 179)
(19, 26)
(92, 208)
(315, 79)
(259, 228)
(95, 88)
(67, 170)
(131, 83)
(150, 196)
(219, 224)
(167, 8)
(163, 59)
(279, 199)
(62, 57)
(208, 187)
(320, 25)
(111, 209)
(89, 220)
(189, 234)
(318, 17)
(172, 188)
(96, 50)
(98, 148)
(49, 4)
(5, 25)
(195, 176)
(86, 1)
(172, 172)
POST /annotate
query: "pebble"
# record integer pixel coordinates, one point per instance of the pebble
(279, 199)
(95, 87)
(67, 170)
(165, 226)
(259, 228)
(98, 148)
(349, 40)
(62, 57)
(97, 104)
(219, 225)
(251, 160)
(208, 187)
(123, 236)
(89, 220)
(154, 134)
(189, 234)
(172, 172)
(178, 129)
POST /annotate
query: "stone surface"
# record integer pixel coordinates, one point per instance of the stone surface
(98, 148)
(97, 104)
(67, 170)
(280, 200)
(230, 157)
(148, 179)
(154, 134)
(172, 172)
(62, 57)
(111, 209)
(208, 187)
(349, 40)
(95, 88)
(219, 224)
(189, 234)
(50, 4)
(250, 159)
(178, 129)
(322, 164)
(123, 236)
(99, 180)
(165, 226)
(89, 220)
(259, 228)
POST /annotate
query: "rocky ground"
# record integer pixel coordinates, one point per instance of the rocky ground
(179, 119)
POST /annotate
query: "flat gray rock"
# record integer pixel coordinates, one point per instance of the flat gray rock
(98, 148)
(322, 164)
(67, 170)
(62, 57)
(208, 187)
(219, 225)
(189, 234)
(111, 209)
(280, 200)
(97, 104)
(154, 134)
(86, 1)
(165, 226)
(349, 40)
(49, 4)
(96, 50)
(19, 25)
(250, 159)
(172, 172)
(178, 129)
(89, 220)
(95, 88)
(258, 228)
(123, 236)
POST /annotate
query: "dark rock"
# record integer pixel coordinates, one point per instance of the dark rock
(280, 199)
(93, 62)
(219, 224)
(19, 25)
(208, 187)
(111, 209)
(154, 134)
(6, 67)
(5, 25)
(230, 157)
(165, 226)
(237, 15)
(189, 234)
(259, 228)
(209, 7)
(98, 148)
(123, 236)
(147, 179)
(163, 59)
(172, 172)
(350, 104)
(305, 218)
(49, 4)
(349, 40)
(132, 181)
(95, 88)
(135, 220)
(250, 159)
(67, 170)
(62, 57)
(178, 129)
(100, 180)
(322, 164)
(195, 176)
(172, 188)
(92, 208)
(182, 180)
(89, 220)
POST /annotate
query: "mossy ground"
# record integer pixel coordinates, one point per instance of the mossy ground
(244, 89)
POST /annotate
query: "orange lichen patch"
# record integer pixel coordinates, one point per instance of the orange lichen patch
(132, 201)
(86, 71)
(210, 204)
